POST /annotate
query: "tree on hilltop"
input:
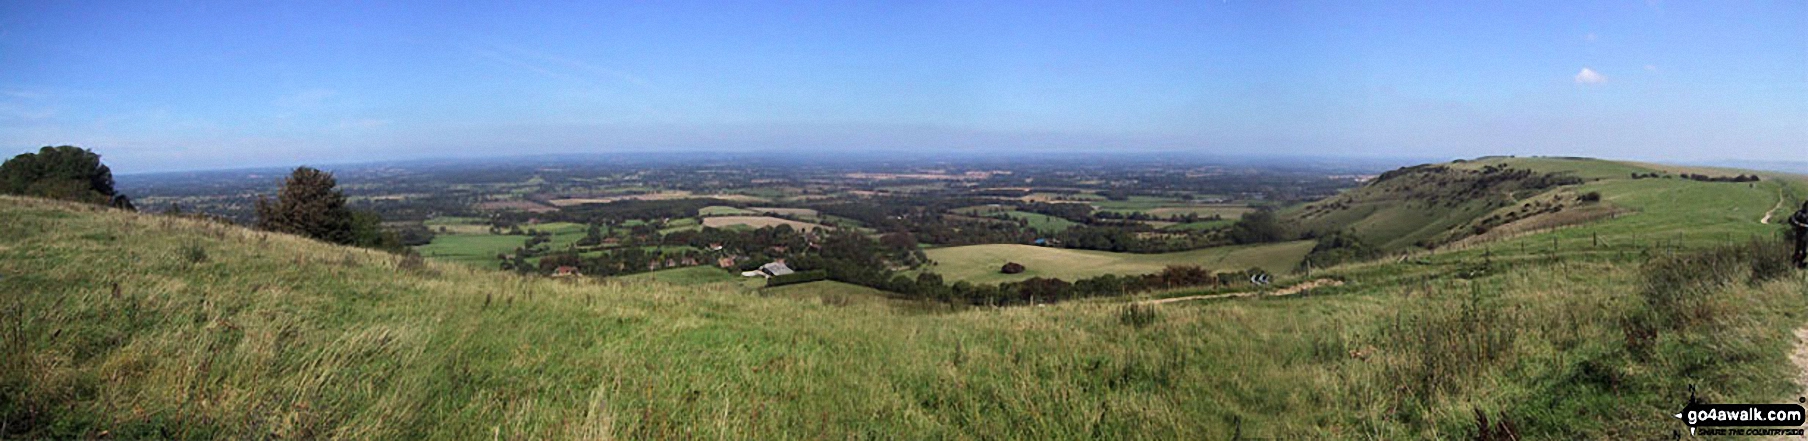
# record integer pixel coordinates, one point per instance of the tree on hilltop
(62, 172)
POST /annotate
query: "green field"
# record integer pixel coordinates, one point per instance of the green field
(1040, 222)
(1164, 207)
(980, 263)
(1043, 223)
(721, 210)
(458, 225)
(471, 249)
(1139, 203)
(477, 247)
(134, 326)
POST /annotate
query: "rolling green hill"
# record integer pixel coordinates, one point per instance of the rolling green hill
(1430, 204)
(1468, 202)
(125, 325)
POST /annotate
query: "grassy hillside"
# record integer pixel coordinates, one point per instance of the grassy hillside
(980, 263)
(1585, 168)
(220, 332)
(1431, 204)
(690, 275)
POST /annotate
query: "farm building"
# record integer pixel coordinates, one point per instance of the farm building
(566, 271)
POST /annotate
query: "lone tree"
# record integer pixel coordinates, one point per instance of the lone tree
(308, 205)
(62, 172)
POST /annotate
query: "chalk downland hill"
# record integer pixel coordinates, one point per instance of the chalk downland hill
(1432, 204)
(125, 325)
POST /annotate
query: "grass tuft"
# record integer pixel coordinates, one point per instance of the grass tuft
(193, 253)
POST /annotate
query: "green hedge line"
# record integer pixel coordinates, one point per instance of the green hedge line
(797, 277)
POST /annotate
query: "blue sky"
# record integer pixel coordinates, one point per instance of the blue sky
(172, 85)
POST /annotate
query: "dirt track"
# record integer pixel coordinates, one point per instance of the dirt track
(1800, 359)
(1291, 290)
(1773, 210)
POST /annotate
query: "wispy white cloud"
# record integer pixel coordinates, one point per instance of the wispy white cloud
(21, 112)
(24, 94)
(1651, 68)
(555, 65)
(1589, 76)
(1591, 37)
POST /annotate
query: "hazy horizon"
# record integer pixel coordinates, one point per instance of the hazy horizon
(205, 86)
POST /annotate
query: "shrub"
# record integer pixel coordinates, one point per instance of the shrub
(1593, 196)
(1011, 268)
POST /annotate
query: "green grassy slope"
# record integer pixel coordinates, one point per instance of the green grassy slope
(273, 336)
(1586, 168)
(1427, 205)
(691, 275)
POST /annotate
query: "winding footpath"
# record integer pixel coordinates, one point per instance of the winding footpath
(1800, 359)
(1291, 290)
(1773, 210)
